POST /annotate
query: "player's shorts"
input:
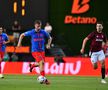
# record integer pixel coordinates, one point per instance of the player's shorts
(1, 55)
(95, 56)
(38, 56)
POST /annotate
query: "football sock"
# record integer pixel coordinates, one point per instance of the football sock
(103, 73)
(42, 73)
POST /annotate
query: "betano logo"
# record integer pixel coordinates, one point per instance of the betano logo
(79, 7)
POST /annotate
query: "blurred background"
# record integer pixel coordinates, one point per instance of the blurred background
(70, 23)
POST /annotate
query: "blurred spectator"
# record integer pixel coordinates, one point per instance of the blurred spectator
(58, 59)
(14, 57)
(16, 27)
(6, 57)
(4, 30)
(48, 27)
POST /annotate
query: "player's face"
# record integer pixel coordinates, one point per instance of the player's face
(99, 28)
(37, 27)
(1, 30)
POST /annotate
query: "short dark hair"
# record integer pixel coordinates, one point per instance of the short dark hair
(100, 22)
(38, 22)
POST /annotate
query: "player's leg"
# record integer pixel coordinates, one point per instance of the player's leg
(103, 71)
(95, 66)
(94, 59)
(41, 67)
(102, 61)
(1, 58)
(35, 55)
(40, 57)
(32, 66)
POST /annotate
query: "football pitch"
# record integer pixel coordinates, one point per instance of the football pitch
(29, 82)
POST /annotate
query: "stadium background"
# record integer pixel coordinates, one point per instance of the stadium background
(68, 37)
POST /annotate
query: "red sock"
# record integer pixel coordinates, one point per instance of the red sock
(42, 73)
(0, 67)
(33, 65)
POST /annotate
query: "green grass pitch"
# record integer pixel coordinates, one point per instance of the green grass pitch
(29, 82)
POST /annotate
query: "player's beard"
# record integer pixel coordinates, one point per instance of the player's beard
(99, 30)
(38, 30)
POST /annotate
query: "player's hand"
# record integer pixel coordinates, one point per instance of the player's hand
(48, 46)
(4, 42)
(82, 51)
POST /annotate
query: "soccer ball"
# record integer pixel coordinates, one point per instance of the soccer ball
(41, 79)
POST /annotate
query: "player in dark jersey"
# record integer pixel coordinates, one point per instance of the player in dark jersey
(38, 36)
(97, 38)
(3, 41)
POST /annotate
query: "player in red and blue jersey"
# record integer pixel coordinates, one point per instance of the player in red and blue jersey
(38, 37)
(3, 41)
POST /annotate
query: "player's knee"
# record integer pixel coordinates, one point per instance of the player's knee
(103, 64)
(41, 62)
(95, 66)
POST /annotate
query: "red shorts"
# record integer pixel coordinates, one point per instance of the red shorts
(38, 56)
(1, 55)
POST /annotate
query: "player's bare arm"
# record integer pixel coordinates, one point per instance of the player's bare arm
(83, 45)
(6, 42)
(49, 43)
(20, 39)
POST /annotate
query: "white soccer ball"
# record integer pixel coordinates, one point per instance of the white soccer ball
(41, 79)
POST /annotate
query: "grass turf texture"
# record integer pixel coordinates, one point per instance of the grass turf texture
(29, 82)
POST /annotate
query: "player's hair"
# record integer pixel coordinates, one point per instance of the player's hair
(99, 22)
(1, 27)
(38, 22)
